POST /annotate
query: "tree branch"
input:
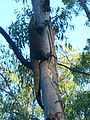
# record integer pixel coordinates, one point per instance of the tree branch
(83, 4)
(15, 49)
(73, 70)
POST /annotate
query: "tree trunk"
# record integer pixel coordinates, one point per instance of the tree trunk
(53, 108)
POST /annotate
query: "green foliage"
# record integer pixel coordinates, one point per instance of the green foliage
(74, 87)
(87, 47)
(80, 106)
(60, 22)
(19, 29)
(69, 3)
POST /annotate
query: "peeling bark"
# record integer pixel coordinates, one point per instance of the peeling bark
(49, 84)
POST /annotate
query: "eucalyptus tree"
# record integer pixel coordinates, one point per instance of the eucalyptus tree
(43, 60)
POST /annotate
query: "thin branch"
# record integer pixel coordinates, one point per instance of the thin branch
(73, 70)
(66, 57)
(15, 49)
(64, 77)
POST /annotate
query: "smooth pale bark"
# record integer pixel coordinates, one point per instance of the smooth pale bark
(49, 84)
(52, 105)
